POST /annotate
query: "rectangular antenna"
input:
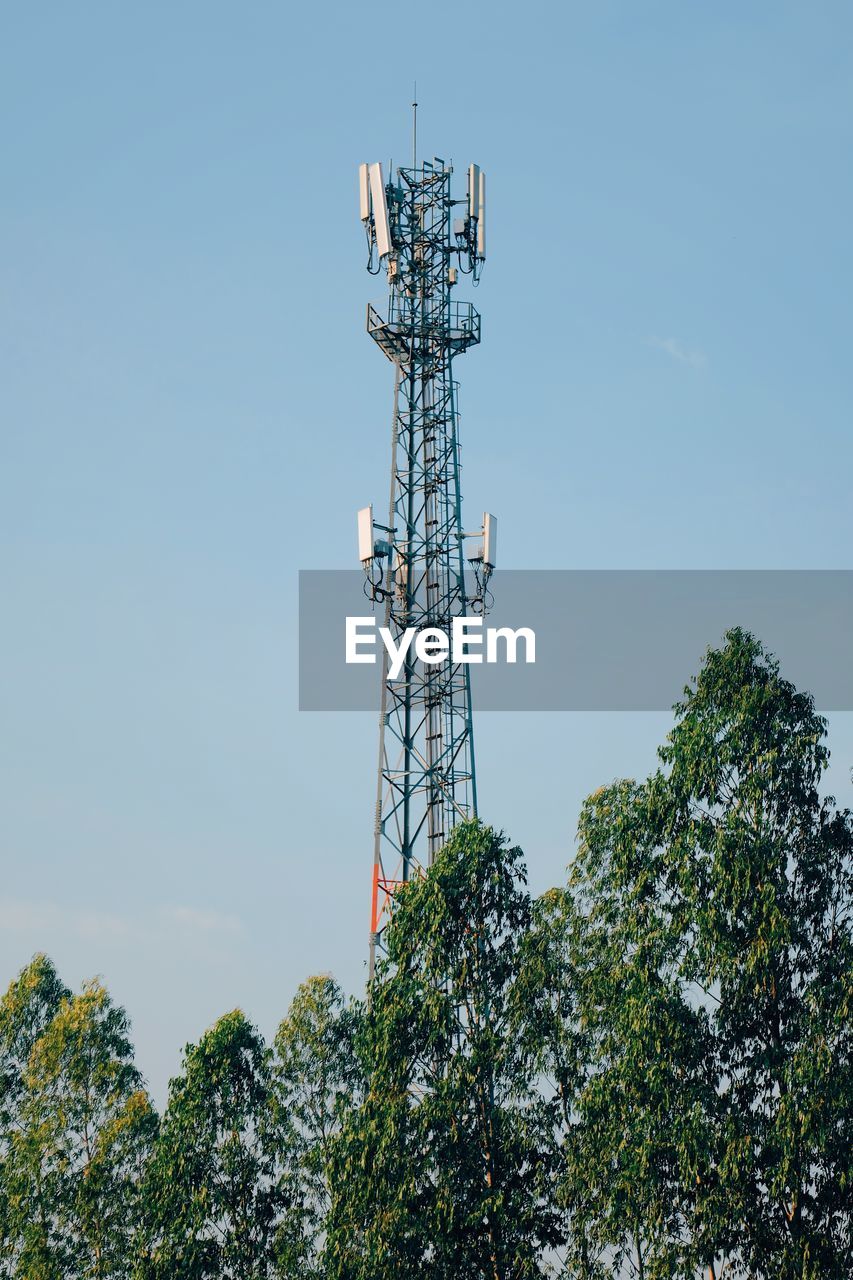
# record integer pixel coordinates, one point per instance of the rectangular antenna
(473, 191)
(481, 222)
(380, 211)
(365, 534)
(363, 192)
(490, 539)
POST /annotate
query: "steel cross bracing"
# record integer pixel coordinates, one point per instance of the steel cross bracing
(426, 781)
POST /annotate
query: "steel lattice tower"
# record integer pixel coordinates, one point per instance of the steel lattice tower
(417, 569)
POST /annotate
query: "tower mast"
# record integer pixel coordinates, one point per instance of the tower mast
(416, 567)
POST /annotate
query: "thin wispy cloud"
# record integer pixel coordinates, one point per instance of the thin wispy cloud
(678, 351)
(18, 916)
(191, 919)
(50, 919)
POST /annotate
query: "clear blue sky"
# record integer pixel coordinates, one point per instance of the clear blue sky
(191, 411)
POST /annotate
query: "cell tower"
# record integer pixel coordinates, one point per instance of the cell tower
(416, 566)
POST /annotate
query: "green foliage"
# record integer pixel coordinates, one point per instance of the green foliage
(28, 1007)
(444, 1168)
(213, 1183)
(636, 1145)
(708, 947)
(26, 1010)
(318, 1080)
(764, 868)
(81, 1131)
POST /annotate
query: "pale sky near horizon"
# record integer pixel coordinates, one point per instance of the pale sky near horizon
(190, 412)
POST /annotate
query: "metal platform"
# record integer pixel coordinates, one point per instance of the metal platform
(454, 333)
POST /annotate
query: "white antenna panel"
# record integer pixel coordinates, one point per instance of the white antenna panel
(473, 190)
(365, 534)
(490, 539)
(363, 192)
(380, 211)
(481, 223)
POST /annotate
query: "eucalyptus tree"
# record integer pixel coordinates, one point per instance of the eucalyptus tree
(317, 1083)
(83, 1129)
(27, 1008)
(444, 1170)
(762, 864)
(213, 1189)
(639, 1128)
(709, 957)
